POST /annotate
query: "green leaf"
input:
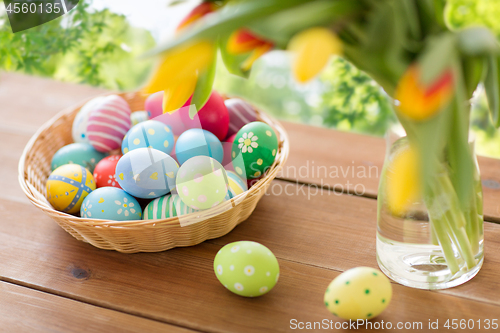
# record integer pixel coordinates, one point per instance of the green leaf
(477, 41)
(473, 69)
(436, 57)
(232, 61)
(491, 87)
(203, 88)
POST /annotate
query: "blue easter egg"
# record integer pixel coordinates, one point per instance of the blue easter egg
(149, 134)
(198, 142)
(146, 173)
(77, 153)
(110, 203)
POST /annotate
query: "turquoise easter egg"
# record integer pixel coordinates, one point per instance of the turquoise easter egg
(149, 134)
(236, 184)
(254, 149)
(110, 203)
(246, 268)
(77, 153)
(201, 182)
(67, 186)
(198, 142)
(146, 173)
(169, 205)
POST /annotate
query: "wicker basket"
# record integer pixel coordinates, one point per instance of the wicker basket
(136, 236)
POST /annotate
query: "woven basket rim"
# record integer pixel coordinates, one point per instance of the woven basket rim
(29, 190)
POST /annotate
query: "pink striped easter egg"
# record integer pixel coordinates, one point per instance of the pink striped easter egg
(240, 114)
(109, 123)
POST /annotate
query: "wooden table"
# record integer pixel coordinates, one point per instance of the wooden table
(324, 225)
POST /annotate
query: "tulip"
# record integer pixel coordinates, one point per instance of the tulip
(419, 102)
(403, 181)
(244, 41)
(312, 50)
(176, 96)
(197, 13)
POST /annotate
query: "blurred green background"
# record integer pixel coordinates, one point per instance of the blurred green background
(100, 41)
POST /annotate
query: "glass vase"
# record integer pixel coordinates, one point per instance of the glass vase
(437, 243)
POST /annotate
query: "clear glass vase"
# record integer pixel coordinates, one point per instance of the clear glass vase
(436, 243)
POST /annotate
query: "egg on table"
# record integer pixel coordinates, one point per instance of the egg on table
(149, 134)
(236, 184)
(110, 203)
(198, 142)
(67, 186)
(246, 268)
(169, 205)
(79, 129)
(138, 117)
(359, 293)
(255, 149)
(213, 116)
(104, 172)
(146, 173)
(77, 153)
(202, 182)
(240, 114)
(108, 123)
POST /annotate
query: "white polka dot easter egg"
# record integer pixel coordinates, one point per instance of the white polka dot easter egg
(240, 114)
(197, 142)
(359, 293)
(202, 182)
(110, 203)
(79, 129)
(67, 186)
(138, 117)
(169, 205)
(149, 134)
(108, 123)
(77, 153)
(247, 268)
(236, 184)
(146, 173)
(254, 150)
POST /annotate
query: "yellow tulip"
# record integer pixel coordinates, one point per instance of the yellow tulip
(180, 64)
(313, 48)
(403, 181)
(175, 97)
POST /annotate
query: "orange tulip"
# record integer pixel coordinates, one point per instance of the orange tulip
(419, 102)
(198, 12)
(244, 41)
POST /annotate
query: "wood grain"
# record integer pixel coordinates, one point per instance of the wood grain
(27, 310)
(180, 288)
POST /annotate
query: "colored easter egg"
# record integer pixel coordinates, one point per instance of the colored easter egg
(154, 108)
(240, 114)
(227, 146)
(169, 205)
(201, 182)
(359, 293)
(247, 268)
(257, 145)
(146, 173)
(110, 203)
(79, 129)
(212, 117)
(138, 117)
(198, 142)
(77, 153)
(154, 104)
(108, 123)
(104, 172)
(236, 184)
(67, 186)
(149, 134)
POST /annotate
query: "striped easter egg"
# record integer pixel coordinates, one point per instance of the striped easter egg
(236, 184)
(240, 114)
(108, 123)
(169, 205)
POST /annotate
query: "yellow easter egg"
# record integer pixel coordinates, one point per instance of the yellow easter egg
(359, 293)
(67, 186)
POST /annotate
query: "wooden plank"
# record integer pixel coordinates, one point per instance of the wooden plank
(313, 241)
(27, 310)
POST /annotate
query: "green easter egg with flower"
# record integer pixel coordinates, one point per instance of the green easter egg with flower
(247, 268)
(254, 149)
